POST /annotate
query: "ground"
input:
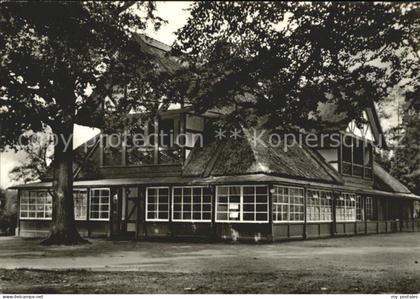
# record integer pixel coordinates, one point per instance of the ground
(387, 263)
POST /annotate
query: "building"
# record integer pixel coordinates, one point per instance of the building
(227, 188)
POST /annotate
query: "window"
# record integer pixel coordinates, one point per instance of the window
(169, 152)
(242, 204)
(112, 150)
(346, 207)
(35, 205)
(157, 204)
(146, 143)
(191, 204)
(356, 157)
(99, 204)
(80, 204)
(371, 209)
(359, 209)
(288, 204)
(140, 145)
(319, 205)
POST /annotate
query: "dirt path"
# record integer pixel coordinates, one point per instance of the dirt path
(378, 263)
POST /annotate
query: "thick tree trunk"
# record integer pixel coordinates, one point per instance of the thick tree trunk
(63, 227)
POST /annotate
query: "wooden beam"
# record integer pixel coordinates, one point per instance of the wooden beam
(377, 215)
(270, 211)
(171, 229)
(213, 212)
(101, 150)
(88, 212)
(334, 214)
(18, 212)
(365, 212)
(305, 216)
(412, 215)
(182, 130)
(386, 216)
(340, 155)
(156, 147)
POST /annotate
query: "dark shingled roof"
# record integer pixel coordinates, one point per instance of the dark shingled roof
(159, 51)
(386, 182)
(244, 156)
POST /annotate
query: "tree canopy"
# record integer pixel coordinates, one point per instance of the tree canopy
(281, 59)
(66, 63)
(61, 60)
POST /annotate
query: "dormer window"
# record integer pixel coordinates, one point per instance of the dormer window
(148, 143)
(356, 157)
(140, 145)
(112, 150)
(169, 152)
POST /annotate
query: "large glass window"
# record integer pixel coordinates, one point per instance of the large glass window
(35, 205)
(356, 157)
(191, 204)
(148, 143)
(288, 204)
(242, 204)
(169, 152)
(157, 204)
(80, 204)
(346, 207)
(99, 204)
(319, 205)
(112, 150)
(371, 209)
(140, 144)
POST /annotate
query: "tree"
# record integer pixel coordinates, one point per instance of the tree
(35, 166)
(406, 160)
(8, 211)
(66, 63)
(281, 59)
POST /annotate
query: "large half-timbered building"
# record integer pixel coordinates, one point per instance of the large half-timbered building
(231, 188)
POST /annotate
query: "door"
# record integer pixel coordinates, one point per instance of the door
(128, 214)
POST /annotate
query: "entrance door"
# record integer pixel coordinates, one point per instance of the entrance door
(128, 211)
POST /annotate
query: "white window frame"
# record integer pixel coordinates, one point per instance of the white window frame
(74, 203)
(147, 205)
(241, 202)
(90, 205)
(360, 200)
(288, 205)
(35, 211)
(346, 207)
(320, 205)
(192, 210)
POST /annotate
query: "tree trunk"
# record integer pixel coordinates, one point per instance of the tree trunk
(63, 227)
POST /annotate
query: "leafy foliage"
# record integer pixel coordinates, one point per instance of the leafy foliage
(8, 211)
(66, 63)
(35, 166)
(281, 59)
(60, 60)
(406, 160)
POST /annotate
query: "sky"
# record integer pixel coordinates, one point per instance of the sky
(176, 15)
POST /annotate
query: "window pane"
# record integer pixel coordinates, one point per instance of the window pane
(249, 200)
(289, 204)
(99, 204)
(157, 203)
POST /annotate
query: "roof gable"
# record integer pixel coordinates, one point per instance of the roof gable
(230, 157)
(386, 182)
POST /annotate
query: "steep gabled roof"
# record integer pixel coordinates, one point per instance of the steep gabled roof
(159, 51)
(386, 182)
(246, 155)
